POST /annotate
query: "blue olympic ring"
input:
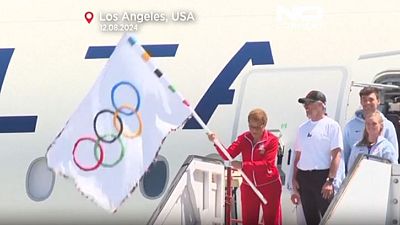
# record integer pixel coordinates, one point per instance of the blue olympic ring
(137, 94)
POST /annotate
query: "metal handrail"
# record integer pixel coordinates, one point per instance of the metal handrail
(346, 181)
(175, 182)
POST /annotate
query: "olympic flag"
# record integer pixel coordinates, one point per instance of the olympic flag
(116, 132)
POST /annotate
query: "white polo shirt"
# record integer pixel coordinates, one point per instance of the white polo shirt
(315, 140)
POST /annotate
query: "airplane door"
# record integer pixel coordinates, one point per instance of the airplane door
(277, 92)
(380, 70)
(376, 68)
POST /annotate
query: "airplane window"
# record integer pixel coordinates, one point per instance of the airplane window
(39, 180)
(154, 182)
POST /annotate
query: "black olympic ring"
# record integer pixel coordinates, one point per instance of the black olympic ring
(100, 136)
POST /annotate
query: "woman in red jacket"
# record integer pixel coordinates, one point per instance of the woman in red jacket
(259, 149)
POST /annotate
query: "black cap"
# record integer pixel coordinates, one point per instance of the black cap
(313, 96)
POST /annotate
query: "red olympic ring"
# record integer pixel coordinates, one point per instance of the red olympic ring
(101, 157)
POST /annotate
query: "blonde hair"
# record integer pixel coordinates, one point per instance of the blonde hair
(364, 141)
(258, 115)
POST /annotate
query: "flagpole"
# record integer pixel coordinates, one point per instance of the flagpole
(202, 124)
(227, 155)
(217, 142)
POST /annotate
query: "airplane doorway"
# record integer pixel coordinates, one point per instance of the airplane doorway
(390, 98)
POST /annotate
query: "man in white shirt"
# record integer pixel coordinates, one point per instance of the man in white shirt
(318, 149)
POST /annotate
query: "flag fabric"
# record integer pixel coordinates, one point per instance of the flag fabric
(117, 130)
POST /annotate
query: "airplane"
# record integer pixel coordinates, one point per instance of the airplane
(224, 60)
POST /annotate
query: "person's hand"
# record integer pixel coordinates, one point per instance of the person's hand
(211, 136)
(236, 165)
(295, 198)
(327, 190)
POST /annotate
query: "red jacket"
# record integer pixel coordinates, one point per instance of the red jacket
(258, 160)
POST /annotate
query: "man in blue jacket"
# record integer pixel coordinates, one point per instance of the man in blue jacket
(353, 131)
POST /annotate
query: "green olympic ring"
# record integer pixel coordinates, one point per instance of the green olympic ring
(121, 156)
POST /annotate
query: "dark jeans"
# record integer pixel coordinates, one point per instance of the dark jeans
(314, 206)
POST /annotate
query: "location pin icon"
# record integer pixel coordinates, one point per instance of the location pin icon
(89, 16)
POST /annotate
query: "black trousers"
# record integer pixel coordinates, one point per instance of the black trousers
(314, 206)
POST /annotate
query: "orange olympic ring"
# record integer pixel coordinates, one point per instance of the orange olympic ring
(125, 131)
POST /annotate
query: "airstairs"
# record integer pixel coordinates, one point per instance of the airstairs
(196, 195)
(369, 194)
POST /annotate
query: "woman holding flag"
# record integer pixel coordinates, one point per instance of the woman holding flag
(259, 149)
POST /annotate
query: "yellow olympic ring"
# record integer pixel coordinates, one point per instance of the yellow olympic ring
(126, 132)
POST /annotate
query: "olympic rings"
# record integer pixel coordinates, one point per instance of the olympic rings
(137, 94)
(99, 161)
(119, 126)
(95, 127)
(126, 132)
(121, 155)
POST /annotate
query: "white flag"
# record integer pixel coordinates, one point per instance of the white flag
(113, 137)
